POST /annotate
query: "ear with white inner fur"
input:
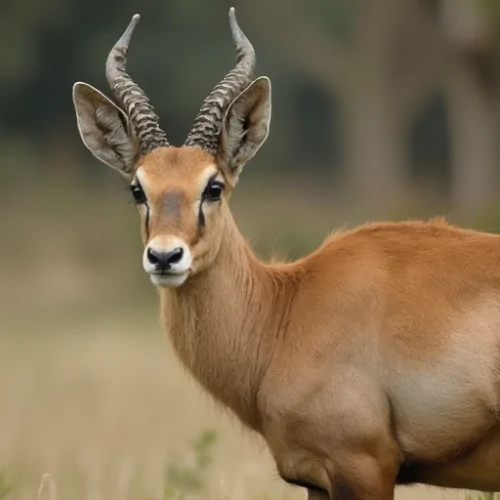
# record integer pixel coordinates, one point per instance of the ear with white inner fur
(245, 127)
(105, 129)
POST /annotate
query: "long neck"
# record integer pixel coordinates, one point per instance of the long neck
(225, 322)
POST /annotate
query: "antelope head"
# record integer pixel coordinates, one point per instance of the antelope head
(181, 192)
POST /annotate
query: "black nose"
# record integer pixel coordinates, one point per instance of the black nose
(163, 260)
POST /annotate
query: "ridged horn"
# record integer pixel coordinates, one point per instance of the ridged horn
(131, 97)
(206, 127)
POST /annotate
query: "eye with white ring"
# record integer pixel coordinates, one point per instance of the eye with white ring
(138, 194)
(213, 191)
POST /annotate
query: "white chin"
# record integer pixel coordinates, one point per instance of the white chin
(168, 280)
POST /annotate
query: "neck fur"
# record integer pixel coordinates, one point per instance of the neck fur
(224, 323)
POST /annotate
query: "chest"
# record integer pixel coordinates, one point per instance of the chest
(220, 357)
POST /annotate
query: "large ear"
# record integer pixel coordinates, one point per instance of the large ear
(105, 129)
(245, 126)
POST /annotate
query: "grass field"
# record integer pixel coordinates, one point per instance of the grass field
(99, 401)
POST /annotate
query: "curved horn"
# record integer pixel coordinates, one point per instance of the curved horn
(131, 96)
(206, 127)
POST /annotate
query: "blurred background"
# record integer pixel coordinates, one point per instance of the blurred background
(386, 109)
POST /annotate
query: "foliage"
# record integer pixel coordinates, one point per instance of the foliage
(488, 219)
(6, 487)
(180, 50)
(184, 479)
(482, 496)
(492, 8)
(327, 60)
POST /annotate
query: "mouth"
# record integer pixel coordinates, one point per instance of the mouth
(168, 279)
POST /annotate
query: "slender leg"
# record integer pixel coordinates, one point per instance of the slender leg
(344, 491)
(366, 480)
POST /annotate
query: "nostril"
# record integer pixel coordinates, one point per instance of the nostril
(163, 261)
(153, 257)
(175, 255)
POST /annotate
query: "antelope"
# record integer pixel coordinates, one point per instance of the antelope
(372, 362)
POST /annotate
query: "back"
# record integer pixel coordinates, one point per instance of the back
(413, 308)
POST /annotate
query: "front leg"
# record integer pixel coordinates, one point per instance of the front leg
(317, 494)
(343, 491)
(346, 475)
(363, 478)
(338, 449)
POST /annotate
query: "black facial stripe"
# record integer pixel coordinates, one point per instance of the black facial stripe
(201, 215)
(135, 182)
(147, 220)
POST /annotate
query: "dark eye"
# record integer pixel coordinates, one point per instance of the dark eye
(138, 194)
(214, 190)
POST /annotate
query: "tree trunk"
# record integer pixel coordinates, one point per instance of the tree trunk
(475, 136)
(378, 105)
(375, 147)
(472, 104)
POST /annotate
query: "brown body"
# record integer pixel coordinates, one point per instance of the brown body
(372, 362)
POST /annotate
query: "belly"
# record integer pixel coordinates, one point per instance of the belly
(477, 469)
(447, 400)
(439, 413)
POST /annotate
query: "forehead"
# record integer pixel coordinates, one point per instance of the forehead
(182, 167)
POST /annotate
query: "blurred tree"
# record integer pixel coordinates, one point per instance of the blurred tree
(471, 87)
(357, 83)
(378, 61)
(48, 46)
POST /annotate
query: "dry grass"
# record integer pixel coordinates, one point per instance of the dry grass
(102, 406)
